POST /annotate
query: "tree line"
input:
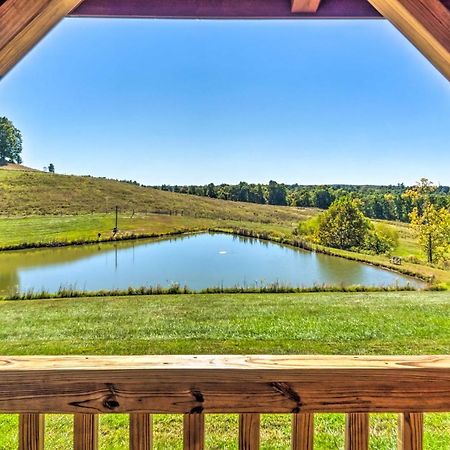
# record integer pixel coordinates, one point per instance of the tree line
(377, 202)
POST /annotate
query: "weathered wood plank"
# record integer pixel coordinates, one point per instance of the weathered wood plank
(194, 431)
(305, 6)
(410, 436)
(31, 431)
(249, 426)
(141, 435)
(302, 431)
(221, 9)
(426, 23)
(24, 22)
(357, 431)
(85, 432)
(228, 384)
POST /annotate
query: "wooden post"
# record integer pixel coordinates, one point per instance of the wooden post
(85, 432)
(31, 431)
(357, 431)
(249, 425)
(194, 431)
(302, 431)
(410, 436)
(141, 431)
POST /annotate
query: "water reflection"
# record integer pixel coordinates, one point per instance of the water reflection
(198, 261)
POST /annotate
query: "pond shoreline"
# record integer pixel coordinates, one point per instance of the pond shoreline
(288, 242)
(304, 245)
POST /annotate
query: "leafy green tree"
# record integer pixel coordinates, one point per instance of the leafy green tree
(277, 194)
(343, 225)
(10, 142)
(430, 222)
(432, 226)
(51, 168)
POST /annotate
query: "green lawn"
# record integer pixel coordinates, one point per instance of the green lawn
(364, 323)
(321, 323)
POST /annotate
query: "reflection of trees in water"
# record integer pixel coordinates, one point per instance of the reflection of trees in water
(250, 240)
(9, 282)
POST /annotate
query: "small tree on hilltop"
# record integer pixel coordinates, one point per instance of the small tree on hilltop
(10, 142)
(343, 225)
(51, 168)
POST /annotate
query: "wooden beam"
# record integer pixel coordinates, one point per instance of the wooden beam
(305, 6)
(224, 9)
(224, 384)
(426, 23)
(24, 22)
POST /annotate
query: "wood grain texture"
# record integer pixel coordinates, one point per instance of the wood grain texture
(249, 430)
(305, 6)
(31, 431)
(85, 432)
(24, 22)
(194, 431)
(141, 434)
(410, 436)
(302, 431)
(357, 431)
(426, 23)
(224, 384)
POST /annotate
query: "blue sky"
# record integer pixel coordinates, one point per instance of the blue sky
(184, 102)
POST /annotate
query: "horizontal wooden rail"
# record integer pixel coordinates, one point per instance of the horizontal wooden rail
(248, 385)
(224, 384)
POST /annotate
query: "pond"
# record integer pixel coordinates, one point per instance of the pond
(198, 261)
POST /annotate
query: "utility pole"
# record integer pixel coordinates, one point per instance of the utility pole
(116, 228)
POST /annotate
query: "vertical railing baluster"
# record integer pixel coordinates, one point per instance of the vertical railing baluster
(249, 426)
(357, 431)
(194, 431)
(410, 433)
(31, 431)
(302, 431)
(141, 431)
(85, 432)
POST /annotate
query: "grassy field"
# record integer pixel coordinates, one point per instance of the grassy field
(307, 323)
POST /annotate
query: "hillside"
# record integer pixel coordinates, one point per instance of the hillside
(17, 167)
(37, 193)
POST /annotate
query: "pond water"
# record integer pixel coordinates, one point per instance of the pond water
(198, 261)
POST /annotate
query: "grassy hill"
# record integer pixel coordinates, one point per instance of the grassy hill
(39, 208)
(39, 193)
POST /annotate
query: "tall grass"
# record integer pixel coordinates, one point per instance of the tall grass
(271, 288)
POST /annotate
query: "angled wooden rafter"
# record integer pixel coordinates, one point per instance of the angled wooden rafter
(305, 6)
(24, 22)
(426, 23)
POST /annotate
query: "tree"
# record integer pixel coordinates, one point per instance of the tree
(10, 142)
(432, 227)
(343, 225)
(277, 194)
(430, 222)
(51, 168)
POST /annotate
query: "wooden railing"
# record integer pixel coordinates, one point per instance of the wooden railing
(198, 385)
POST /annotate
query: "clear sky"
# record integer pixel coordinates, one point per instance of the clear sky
(190, 102)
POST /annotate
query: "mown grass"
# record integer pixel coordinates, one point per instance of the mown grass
(322, 323)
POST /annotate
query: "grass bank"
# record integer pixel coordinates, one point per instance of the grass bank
(322, 323)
